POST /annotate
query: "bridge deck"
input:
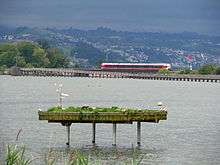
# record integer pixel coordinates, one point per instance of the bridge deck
(102, 74)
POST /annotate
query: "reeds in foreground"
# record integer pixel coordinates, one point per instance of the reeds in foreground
(16, 156)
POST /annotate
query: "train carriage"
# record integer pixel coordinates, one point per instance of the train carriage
(135, 67)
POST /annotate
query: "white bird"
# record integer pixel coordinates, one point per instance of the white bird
(159, 103)
(64, 95)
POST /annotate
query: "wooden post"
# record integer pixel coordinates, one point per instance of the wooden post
(68, 135)
(114, 134)
(93, 132)
(138, 133)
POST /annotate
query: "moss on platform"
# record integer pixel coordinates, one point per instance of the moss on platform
(101, 115)
(87, 109)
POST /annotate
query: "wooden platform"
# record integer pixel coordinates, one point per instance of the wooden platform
(103, 117)
(127, 117)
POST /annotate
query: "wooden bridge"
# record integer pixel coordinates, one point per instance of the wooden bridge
(15, 71)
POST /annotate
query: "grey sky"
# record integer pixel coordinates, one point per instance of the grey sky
(202, 16)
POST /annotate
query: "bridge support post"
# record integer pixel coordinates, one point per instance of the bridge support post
(138, 133)
(114, 134)
(93, 132)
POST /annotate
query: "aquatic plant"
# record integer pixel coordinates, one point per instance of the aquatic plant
(73, 158)
(16, 156)
(135, 160)
(78, 158)
(49, 158)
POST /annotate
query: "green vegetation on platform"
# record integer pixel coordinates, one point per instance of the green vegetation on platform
(102, 115)
(87, 109)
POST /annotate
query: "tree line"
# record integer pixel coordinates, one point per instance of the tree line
(204, 69)
(209, 69)
(31, 54)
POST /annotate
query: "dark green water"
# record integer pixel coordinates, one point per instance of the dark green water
(191, 135)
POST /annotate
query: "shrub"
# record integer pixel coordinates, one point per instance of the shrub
(207, 69)
(185, 71)
(217, 71)
(164, 71)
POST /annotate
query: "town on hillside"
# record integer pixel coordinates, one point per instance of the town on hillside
(91, 47)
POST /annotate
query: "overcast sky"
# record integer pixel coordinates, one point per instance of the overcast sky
(201, 16)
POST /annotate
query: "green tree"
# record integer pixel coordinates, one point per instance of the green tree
(2, 69)
(29, 65)
(8, 54)
(26, 50)
(39, 58)
(207, 69)
(44, 43)
(28, 54)
(21, 61)
(56, 58)
(217, 71)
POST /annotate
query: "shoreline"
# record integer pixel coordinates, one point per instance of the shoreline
(61, 72)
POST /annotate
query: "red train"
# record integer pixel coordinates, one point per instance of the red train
(135, 67)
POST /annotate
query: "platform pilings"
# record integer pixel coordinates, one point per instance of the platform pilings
(138, 133)
(114, 134)
(93, 132)
(68, 135)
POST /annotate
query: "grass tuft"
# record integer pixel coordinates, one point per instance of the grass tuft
(16, 156)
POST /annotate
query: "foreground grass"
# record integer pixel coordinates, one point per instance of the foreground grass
(16, 155)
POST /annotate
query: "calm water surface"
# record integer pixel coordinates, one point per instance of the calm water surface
(191, 135)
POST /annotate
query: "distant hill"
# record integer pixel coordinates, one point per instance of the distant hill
(89, 48)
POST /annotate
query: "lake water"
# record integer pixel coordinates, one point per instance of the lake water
(191, 135)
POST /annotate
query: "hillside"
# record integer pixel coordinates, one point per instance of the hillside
(89, 48)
